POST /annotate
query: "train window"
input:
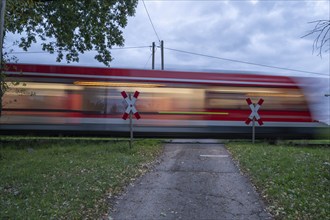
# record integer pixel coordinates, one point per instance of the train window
(108, 100)
(275, 98)
(42, 97)
(94, 100)
(61, 97)
(169, 99)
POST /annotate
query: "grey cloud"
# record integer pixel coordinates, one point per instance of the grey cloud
(267, 32)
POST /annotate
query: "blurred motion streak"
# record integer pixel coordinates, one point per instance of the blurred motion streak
(87, 100)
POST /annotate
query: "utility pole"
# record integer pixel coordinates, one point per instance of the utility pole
(162, 53)
(153, 56)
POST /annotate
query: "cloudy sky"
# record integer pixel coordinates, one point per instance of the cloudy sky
(267, 32)
(262, 32)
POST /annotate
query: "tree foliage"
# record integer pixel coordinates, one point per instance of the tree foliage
(68, 28)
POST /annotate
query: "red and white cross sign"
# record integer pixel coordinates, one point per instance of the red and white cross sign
(130, 105)
(254, 111)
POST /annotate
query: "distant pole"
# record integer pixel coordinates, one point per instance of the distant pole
(153, 56)
(162, 53)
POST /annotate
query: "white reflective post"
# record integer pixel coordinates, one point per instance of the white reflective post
(253, 130)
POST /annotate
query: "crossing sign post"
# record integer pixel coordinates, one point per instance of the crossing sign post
(130, 109)
(254, 115)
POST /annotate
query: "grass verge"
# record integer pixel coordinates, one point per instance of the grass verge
(67, 178)
(294, 180)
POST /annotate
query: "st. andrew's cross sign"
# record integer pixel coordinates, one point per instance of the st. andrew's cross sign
(130, 105)
(254, 115)
(254, 111)
(130, 109)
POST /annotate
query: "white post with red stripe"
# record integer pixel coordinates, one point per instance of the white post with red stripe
(130, 109)
(254, 115)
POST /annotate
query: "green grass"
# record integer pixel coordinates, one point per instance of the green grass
(307, 142)
(295, 181)
(60, 178)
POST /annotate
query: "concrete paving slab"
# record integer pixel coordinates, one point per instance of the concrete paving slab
(186, 185)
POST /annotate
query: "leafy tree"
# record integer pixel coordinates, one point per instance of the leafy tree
(70, 27)
(67, 27)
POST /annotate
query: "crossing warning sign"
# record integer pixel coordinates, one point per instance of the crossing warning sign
(254, 111)
(130, 105)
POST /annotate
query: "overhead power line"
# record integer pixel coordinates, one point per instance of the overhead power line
(244, 62)
(153, 27)
(191, 53)
(127, 48)
(145, 65)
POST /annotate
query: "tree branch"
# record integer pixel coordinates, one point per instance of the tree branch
(322, 32)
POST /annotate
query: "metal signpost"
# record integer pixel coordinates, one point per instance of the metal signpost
(254, 115)
(130, 109)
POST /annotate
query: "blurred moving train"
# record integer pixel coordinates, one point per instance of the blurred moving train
(88, 101)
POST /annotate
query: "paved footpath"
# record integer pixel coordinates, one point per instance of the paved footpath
(196, 179)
